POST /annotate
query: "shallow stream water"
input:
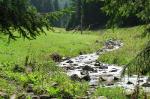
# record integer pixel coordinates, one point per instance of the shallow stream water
(87, 67)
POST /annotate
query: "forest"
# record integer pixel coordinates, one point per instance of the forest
(74, 49)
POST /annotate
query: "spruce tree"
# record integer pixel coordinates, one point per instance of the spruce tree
(19, 16)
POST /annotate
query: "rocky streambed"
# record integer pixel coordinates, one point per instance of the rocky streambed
(86, 67)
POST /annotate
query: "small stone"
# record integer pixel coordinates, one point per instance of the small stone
(101, 97)
(4, 95)
(129, 92)
(65, 58)
(148, 80)
(140, 80)
(23, 96)
(115, 70)
(56, 57)
(88, 68)
(30, 88)
(129, 83)
(75, 77)
(69, 68)
(13, 96)
(97, 64)
(110, 46)
(103, 67)
(35, 97)
(102, 79)
(84, 72)
(69, 61)
(86, 78)
(146, 85)
(116, 78)
(97, 41)
(110, 84)
(55, 85)
(45, 97)
(75, 64)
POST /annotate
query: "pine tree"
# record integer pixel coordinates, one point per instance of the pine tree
(20, 16)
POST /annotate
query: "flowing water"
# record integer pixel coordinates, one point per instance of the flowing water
(86, 67)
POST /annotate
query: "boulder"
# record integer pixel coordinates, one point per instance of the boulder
(56, 57)
(86, 78)
(88, 68)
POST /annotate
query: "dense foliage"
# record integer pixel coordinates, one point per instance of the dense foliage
(121, 9)
(19, 15)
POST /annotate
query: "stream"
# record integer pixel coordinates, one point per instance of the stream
(86, 67)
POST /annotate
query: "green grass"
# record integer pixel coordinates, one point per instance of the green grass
(110, 93)
(62, 42)
(115, 93)
(65, 44)
(42, 79)
(45, 72)
(133, 44)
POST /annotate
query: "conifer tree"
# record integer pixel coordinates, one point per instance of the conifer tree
(20, 16)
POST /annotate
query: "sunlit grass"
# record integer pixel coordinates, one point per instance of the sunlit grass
(60, 41)
(133, 44)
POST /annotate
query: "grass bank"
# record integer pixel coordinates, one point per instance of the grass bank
(133, 41)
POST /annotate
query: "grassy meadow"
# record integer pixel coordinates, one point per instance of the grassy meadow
(60, 41)
(13, 75)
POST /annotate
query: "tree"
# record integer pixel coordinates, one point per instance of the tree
(20, 16)
(88, 13)
(121, 9)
